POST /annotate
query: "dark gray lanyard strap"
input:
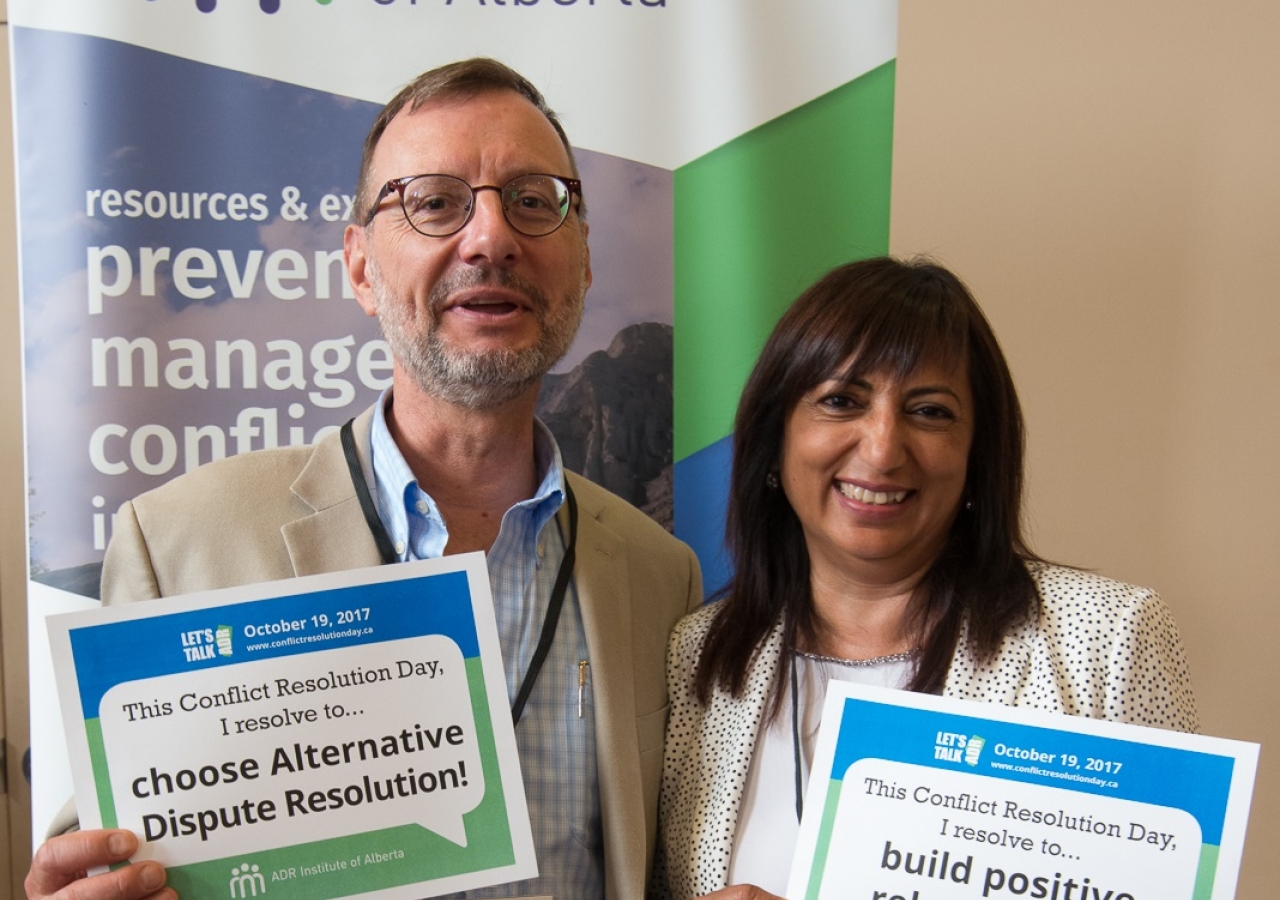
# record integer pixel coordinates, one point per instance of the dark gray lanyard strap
(553, 608)
(387, 551)
(795, 737)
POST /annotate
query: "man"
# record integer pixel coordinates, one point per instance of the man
(477, 274)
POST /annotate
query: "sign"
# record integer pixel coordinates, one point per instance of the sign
(330, 736)
(917, 797)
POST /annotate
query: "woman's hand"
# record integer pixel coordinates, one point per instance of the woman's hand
(59, 870)
(741, 892)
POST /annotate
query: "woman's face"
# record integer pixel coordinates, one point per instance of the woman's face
(875, 470)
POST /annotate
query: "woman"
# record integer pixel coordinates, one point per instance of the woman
(874, 520)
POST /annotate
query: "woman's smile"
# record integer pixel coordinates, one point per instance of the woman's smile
(875, 467)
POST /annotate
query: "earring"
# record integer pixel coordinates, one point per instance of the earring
(968, 505)
(771, 481)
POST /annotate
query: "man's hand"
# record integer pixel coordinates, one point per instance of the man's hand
(59, 869)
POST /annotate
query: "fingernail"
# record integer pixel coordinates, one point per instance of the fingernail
(119, 844)
(151, 877)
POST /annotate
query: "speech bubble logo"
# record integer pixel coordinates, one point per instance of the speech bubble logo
(245, 757)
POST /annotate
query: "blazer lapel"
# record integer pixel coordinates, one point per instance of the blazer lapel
(603, 586)
(738, 724)
(335, 537)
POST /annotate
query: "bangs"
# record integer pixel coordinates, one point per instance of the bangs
(861, 332)
(868, 317)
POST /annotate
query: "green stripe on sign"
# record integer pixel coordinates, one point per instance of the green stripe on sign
(759, 219)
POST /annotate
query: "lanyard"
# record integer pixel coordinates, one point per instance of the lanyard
(795, 737)
(387, 551)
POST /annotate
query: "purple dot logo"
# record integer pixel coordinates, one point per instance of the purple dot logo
(270, 7)
(267, 6)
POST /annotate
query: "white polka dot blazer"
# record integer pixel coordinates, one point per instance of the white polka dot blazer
(1099, 648)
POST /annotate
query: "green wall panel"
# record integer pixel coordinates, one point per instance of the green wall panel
(759, 219)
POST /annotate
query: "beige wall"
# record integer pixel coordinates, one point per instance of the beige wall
(15, 817)
(1106, 176)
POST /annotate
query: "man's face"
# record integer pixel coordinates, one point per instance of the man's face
(475, 318)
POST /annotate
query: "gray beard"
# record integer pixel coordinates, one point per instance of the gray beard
(475, 380)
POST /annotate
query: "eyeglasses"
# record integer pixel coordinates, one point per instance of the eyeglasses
(441, 205)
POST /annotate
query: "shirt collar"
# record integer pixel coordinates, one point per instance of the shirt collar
(397, 490)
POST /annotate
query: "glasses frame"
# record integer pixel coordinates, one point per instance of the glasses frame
(573, 185)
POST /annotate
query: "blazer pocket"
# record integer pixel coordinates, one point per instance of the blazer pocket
(651, 729)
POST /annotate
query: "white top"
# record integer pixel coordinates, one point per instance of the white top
(768, 829)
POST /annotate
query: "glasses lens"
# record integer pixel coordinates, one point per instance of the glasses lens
(535, 204)
(437, 205)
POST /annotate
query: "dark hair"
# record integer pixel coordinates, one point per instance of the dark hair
(884, 315)
(460, 80)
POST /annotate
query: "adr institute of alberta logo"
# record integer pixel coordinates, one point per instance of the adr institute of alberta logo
(267, 6)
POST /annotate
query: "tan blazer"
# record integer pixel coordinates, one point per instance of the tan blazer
(293, 511)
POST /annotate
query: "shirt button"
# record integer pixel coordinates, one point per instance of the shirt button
(399, 548)
(423, 507)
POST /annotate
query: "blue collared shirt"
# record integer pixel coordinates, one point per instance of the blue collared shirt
(556, 734)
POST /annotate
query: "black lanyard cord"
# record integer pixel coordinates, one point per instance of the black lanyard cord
(553, 608)
(795, 737)
(387, 551)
